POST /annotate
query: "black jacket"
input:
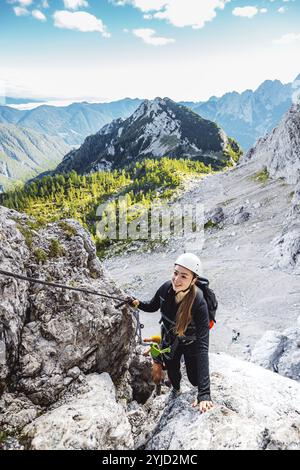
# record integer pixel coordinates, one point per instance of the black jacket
(164, 299)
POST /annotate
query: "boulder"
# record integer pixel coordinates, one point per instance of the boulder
(279, 352)
(16, 411)
(93, 420)
(214, 216)
(241, 216)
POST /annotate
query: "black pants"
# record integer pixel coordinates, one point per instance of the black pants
(173, 366)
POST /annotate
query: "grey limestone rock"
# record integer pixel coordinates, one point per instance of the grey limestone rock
(91, 420)
(249, 412)
(47, 332)
(279, 352)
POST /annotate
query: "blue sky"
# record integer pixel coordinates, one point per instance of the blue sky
(109, 49)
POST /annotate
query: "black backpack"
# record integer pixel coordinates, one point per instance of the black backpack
(210, 297)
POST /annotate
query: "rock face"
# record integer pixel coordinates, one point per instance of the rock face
(92, 420)
(279, 154)
(14, 297)
(250, 412)
(280, 352)
(286, 247)
(51, 336)
(279, 151)
(157, 128)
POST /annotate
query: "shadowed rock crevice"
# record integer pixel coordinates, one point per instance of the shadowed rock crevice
(141, 379)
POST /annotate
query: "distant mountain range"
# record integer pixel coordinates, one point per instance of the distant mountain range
(25, 153)
(8, 100)
(72, 123)
(157, 128)
(244, 116)
(249, 115)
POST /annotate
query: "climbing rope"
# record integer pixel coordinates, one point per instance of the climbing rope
(139, 326)
(51, 284)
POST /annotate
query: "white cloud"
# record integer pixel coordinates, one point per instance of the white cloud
(263, 10)
(20, 11)
(119, 3)
(75, 4)
(80, 21)
(145, 5)
(45, 4)
(245, 12)
(148, 36)
(281, 10)
(24, 3)
(39, 15)
(194, 13)
(287, 39)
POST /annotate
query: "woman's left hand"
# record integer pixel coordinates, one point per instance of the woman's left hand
(203, 405)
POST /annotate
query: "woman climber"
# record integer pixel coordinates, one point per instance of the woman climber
(185, 327)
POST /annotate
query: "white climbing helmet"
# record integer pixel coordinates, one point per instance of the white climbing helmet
(191, 262)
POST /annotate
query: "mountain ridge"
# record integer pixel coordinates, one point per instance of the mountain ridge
(73, 122)
(157, 128)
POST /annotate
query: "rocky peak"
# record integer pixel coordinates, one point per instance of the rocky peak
(269, 86)
(158, 128)
(152, 109)
(273, 93)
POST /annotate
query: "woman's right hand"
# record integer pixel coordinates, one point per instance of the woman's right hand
(133, 302)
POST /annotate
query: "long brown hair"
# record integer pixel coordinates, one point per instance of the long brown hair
(184, 312)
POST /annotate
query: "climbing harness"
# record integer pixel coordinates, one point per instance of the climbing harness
(80, 289)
